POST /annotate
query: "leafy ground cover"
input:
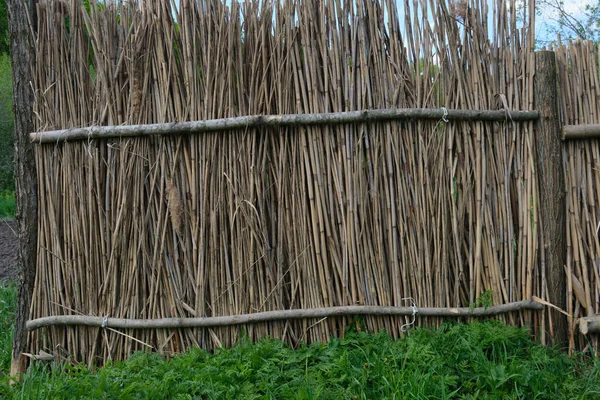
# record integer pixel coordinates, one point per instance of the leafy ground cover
(474, 361)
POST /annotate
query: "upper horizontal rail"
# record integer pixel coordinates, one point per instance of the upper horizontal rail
(582, 131)
(254, 121)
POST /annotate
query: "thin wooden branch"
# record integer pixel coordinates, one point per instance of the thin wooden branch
(254, 121)
(589, 131)
(164, 323)
(589, 324)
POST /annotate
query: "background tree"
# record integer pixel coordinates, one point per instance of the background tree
(572, 22)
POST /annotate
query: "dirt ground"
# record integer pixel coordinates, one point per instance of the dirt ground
(8, 250)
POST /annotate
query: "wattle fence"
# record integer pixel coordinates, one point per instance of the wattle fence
(437, 211)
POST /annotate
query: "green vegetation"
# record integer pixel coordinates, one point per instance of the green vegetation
(6, 112)
(6, 126)
(8, 305)
(485, 300)
(4, 40)
(479, 360)
(7, 204)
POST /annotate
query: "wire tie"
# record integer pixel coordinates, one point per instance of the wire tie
(415, 311)
(445, 116)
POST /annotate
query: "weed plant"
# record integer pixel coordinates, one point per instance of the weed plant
(484, 360)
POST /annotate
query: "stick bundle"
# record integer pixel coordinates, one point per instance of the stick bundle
(580, 98)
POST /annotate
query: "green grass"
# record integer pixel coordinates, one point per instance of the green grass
(475, 361)
(7, 204)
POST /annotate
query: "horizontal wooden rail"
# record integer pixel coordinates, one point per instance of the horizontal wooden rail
(589, 131)
(121, 323)
(255, 121)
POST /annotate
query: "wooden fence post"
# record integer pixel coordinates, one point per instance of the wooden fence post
(551, 184)
(25, 172)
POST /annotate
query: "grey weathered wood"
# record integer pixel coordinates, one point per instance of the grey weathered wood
(551, 184)
(25, 172)
(571, 132)
(254, 121)
(589, 324)
(121, 323)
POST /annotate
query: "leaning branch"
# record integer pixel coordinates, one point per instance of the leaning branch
(255, 121)
(121, 323)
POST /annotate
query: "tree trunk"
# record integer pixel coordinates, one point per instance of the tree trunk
(25, 171)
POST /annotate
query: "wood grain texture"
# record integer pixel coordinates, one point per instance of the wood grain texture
(551, 181)
(23, 58)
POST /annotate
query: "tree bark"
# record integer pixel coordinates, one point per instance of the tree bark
(25, 172)
(551, 184)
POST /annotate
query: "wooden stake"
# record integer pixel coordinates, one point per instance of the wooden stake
(25, 172)
(549, 163)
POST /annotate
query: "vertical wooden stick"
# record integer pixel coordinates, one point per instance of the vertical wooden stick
(549, 165)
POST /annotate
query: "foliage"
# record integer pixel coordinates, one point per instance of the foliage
(8, 306)
(7, 204)
(485, 300)
(4, 39)
(479, 360)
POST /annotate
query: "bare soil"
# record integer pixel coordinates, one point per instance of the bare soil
(9, 246)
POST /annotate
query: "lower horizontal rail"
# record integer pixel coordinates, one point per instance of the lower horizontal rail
(206, 322)
(255, 121)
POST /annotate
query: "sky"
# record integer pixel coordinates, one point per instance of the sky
(544, 22)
